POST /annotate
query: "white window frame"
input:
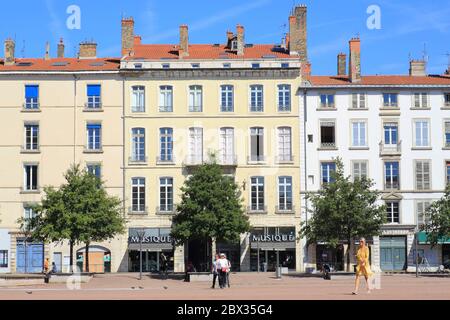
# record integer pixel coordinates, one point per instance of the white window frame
(352, 136)
(415, 138)
(361, 101)
(138, 99)
(327, 104)
(226, 145)
(165, 94)
(285, 185)
(422, 181)
(284, 92)
(391, 216)
(195, 98)
(418, 100)
(284, 135)
(166, 185)
(25, 186)
(425, 203)
(139, 185)
(359, 163)
(259, 206)
(25, 144)
(256, 89)
(225, 89)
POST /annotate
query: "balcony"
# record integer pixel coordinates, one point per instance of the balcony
(168, 210)
(137, 210)
(257, 209)
(328, 146)
(288, 209)
(32, 106)
(137, 159)
(285, 159)
(193, 160)
(390, 149)
(227, 160)
(256, 159)
(165, 160)
(327, 106)
(93, 107)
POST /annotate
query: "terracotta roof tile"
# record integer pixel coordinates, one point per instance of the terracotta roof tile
(207, 51)
(379, 80)
(62, 64)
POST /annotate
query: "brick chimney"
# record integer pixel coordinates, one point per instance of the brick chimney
(417, 68)
(10, 47)
(354, 68)
(297, 33)
(127, 36)
(137, 40)
(47, 51)
(61, 48)
(342, 64)
(240, 40)
(184, 41)
(88, 50)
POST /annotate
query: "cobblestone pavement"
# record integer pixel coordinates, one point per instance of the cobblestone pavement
(254, 286)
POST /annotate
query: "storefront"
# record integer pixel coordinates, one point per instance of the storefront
(29, 256)
(99, 259)
(432, 256)
(157, 247)
(393, 253)
(268, 243)
(332, 256)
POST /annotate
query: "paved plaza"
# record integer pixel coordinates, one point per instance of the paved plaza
(244, 286)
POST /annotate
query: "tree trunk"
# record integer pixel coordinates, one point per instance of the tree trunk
(348, 254)
(86, 253)
(71, 256)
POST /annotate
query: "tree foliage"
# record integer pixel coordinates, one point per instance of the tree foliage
(437, 224)
(343, 210)
(211, 207)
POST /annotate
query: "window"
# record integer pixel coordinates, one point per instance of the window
(257, 194)
(284, 65)
(421, 129)
(166, 99)
(284, 97)
(138, 65)
(447, 171)
(359, 169)
(227, 146)
(359, 134)
(4, 258)
(447, 99)
(226, 98)
(95, 169)
(28, 214)
(195, 65)
(166, 194)
(31, 137)
(257, 144)
(166, 144)
(327, 134)
(390, 100)
(423, 175)
(196, 145)
(31, 177)
(31, 97)
(94, 132)
(285, 193)
(391, 175)
(326, 170)
(256, 98)
(138, 144)
(447, 134)
(393, 211)
(227, 65)
(390, 133)
(94, 96)
(358, 101)
(256, 65)
(327, 101)
(166, 65)
(138, 194)
(138, 99)
(420, 100)
(284, 144)
(421, 211)
(195, 99)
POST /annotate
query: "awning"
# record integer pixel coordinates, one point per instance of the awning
(422, 239)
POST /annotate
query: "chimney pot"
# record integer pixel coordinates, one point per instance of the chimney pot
(240, 40)
(341, 64)
(127, 36)
(47, 51)
(88, 50)
(298, 32)
(61, 48)
(10, 47)
(355, 60)
(417, 68)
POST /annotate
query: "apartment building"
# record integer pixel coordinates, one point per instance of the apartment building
(54, 112)
(233, 99)
(392, 129)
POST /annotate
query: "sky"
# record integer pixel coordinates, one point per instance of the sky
(405, 28)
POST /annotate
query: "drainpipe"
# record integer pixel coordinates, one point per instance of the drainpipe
(123, 147)
(75, 80)
(305, 119)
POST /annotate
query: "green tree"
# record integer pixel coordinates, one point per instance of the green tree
(437, 224)
(211, 207)
(342, 211)
(80, 211)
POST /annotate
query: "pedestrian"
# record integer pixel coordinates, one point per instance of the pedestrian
(363, 266)
(54, 268)
(228, 271)
(46, 266)
(164, 266)
(222, 268)
(214, 271)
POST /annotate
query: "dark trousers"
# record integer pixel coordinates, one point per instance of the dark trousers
(228, 279)
(222, 279)
(214, 279)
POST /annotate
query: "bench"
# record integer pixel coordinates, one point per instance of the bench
(199, 277)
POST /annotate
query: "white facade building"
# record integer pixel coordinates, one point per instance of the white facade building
(393, 129)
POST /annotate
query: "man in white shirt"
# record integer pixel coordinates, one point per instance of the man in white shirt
(222, 267)
(215, 271)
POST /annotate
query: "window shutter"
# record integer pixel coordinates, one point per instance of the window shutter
(420, 212)
(419, 175)
(424, 100)
(417, 100)
(354, 100)
(426, 175)
(93, 90)
(31, 91)
(363, 169)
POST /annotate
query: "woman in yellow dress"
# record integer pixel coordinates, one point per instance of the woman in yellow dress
(363, 266)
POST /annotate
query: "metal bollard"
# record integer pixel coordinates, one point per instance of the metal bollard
(278, 272)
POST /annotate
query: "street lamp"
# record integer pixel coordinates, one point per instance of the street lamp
(141, 234)
(416, 235)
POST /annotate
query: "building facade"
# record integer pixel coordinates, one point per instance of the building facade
(392, 129)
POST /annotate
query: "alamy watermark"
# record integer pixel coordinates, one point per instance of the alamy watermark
(374, 19)
(73, 22)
